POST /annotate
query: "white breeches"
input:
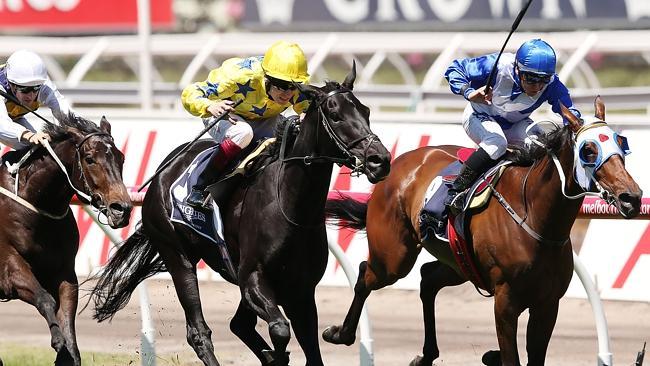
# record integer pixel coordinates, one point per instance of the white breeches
(243, 132)
(489, 135)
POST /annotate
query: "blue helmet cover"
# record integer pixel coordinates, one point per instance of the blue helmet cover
(536, 56)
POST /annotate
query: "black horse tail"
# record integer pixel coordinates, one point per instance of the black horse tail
(348, 212)
(134, 261)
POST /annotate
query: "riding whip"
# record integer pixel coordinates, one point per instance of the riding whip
(169, 161)
(515, 24)
(15, 100)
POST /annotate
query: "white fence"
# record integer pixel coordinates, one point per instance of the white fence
(375, 53)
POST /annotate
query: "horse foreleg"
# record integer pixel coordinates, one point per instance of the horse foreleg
(346, 333)
(385, 268)
(301, 310)
(435, 276)
(259, 296)
(506, 313)
(68, 297)
(29, 290)
(183, 274)
(243, 326)
(538, 334)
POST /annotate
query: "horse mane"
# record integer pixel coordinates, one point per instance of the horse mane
(551, 143)
(272, 152)
(59, 132)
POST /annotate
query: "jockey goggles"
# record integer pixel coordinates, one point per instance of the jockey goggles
(532, 78)
(282, 85)
(28, 89)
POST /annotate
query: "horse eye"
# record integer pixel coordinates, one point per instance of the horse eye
(89, 160)
(588, 154)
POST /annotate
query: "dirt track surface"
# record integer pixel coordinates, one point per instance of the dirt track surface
(465, 328)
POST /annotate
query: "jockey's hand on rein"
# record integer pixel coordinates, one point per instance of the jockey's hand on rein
(479, 96)
(35, 138)
(221, 107)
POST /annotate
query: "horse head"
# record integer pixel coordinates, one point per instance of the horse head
(96, 167)
(599, 161)
(346, 128)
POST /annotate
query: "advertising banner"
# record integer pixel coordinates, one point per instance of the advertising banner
(79, 15)
(446, 14)
(616, 252)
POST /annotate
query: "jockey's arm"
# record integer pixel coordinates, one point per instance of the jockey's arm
(558, 93)
(198, 97)
(300, 104)
(469, 74)
(10, 131)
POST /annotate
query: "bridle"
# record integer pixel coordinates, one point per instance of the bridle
(355, 164)
(95, 199)
(350, 160)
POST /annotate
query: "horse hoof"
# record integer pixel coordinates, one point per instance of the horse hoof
(332, 334)
(492, 358)
(64, 358)
(420, 361)
(273, 358)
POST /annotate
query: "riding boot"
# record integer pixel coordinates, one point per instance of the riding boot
(222, 190)
(226, 151)
(478, 163)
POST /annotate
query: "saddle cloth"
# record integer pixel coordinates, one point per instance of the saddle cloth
(433, 216)
(203, 222)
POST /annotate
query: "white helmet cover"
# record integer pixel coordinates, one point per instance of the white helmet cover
(26, 68)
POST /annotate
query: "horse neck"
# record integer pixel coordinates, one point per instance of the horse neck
(552, 209)
(44, 185)
(306, 186)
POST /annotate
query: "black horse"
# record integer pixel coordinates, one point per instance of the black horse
(274, 228)
(38, 232)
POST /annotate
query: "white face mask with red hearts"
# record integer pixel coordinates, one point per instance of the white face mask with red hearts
(607, 143)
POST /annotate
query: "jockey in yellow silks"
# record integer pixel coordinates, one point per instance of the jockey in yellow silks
(265, 85)
(24, 76)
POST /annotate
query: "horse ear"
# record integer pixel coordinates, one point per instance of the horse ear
(105, 125)
(574, 122)
(600, 108)
(348, 83)
(311, 92)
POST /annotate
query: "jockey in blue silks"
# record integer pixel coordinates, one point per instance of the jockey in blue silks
(494, 119)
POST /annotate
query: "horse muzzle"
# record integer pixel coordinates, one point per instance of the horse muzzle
(118, 214)
(629, 204)
(377, 167)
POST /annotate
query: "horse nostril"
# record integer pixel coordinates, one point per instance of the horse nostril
(631, 199)
(120, 208)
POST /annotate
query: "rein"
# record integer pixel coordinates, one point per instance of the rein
(14, 169)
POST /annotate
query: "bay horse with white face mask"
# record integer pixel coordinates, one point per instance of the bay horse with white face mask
(38, 232)
(274, 228)
(525, 266)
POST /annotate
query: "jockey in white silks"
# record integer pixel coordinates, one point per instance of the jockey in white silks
(24, 76)
(494, 119)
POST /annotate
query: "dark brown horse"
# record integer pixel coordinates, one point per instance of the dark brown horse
(39, 236)
(274, 229)
(520, 271)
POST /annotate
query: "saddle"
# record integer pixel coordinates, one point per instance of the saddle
(433, 217)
